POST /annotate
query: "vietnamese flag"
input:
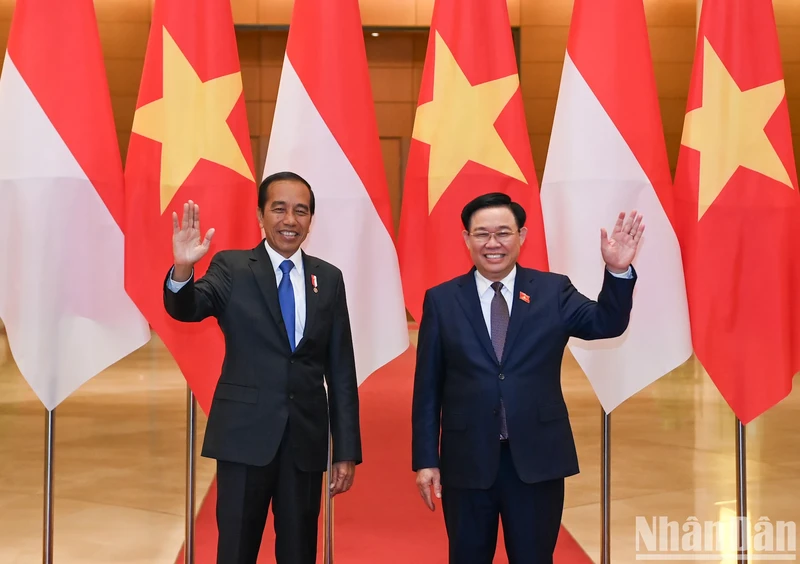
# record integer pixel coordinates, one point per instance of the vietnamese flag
(469, 138)
(190, 140)
(738, 209)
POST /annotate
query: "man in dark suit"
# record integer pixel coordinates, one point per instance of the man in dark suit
(286, 326)
(488, 375)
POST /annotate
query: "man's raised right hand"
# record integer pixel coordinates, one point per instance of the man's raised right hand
(428, 478)
(187, 248)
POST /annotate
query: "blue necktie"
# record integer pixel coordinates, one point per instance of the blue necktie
(286, 299)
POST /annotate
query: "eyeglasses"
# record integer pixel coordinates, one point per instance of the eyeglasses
(500, 236)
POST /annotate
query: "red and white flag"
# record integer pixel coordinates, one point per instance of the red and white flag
(62, 294)
(607, 155)
(325, 130)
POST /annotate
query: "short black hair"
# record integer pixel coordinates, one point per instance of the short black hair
(285, 175)
(493, 200)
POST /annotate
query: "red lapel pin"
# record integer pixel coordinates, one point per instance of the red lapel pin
(314, 283)
(525, 297)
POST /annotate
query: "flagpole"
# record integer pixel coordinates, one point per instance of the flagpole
(191, 422)
(741, 492)
(47, 549)
(605, 555)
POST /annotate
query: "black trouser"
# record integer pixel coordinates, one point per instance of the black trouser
(531, 515)
(244, 494)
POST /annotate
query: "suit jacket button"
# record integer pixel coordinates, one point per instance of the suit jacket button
(291, 396)
(502, 376)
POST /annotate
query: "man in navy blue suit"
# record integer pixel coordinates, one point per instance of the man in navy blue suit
(488, 376)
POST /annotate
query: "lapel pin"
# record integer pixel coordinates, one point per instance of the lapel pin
(525, 297)
(314, 283)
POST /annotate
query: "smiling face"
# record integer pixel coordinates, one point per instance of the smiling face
(494, 241)
(286, 216)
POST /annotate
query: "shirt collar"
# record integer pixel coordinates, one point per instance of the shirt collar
(485, 284)
(277, 258)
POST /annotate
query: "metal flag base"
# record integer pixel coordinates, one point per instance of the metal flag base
(191, 423)
(741, 492)
(605, 479)
(47, 544)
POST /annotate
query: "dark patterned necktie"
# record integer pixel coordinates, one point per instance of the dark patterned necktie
(499, 324)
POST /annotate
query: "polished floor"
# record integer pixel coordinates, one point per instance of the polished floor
(120, 466)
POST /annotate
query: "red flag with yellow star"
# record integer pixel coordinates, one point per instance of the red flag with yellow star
(739, 209)
(190, 140)
(469, 138)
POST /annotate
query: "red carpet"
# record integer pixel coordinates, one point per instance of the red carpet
(382, 519)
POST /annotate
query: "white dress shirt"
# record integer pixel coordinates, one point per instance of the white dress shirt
(296, 275)
(486, 293)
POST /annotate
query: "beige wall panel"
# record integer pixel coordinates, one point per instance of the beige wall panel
(275, 11)
(123, 11)
(124, 40)
(124, 107)
(543, 43)
(395, 119)
(672, 79)
(253, 116)
(124, 139)
(393, 163)
(124, 76)
(673, 111)
(539, 114)
(244, 11)
(393, 49)
(673, 142)
(545, 12)
(251, 82)
(539, 145)
(417, 84)
(672, 44)
(270, 81)
(401, 13)
(791, 73)
(273, 48)
(540, 80)
(787, 12)
(249, 47)
(424, 10)
(392, 84)
(420, 40)
(267, 113)
(660, 13)
(789, 37)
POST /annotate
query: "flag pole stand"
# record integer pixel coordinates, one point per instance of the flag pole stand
(328, 538)
(605, 478)
(47, 548)
(191, 423)
(741, 492)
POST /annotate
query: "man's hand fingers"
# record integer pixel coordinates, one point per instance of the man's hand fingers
(175, 226)
(437, 487)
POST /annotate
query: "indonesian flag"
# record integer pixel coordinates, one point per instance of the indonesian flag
(324, 129)
(738, 209)
(190, 141)
(607, 155)
(469, 138)
(62, 294)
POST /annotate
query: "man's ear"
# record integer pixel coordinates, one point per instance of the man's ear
(522, 233)
(465, 233)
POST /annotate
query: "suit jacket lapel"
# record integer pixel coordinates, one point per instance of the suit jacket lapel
(310, 268)
(469, 300)
(520, 309)
(265, 277)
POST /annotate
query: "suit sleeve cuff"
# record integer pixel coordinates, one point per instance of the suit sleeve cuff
(174, 286)
(627, 274)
